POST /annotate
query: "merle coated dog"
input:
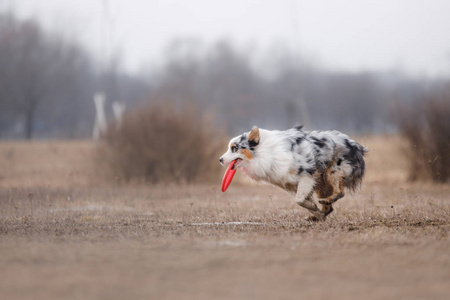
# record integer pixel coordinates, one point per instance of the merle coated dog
(308, 163)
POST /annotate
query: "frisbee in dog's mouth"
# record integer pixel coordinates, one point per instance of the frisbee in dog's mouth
(229, 174)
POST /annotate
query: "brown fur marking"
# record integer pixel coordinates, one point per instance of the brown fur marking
(254, 135)
(247, 153)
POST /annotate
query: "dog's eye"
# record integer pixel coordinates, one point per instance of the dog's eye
(233, 149)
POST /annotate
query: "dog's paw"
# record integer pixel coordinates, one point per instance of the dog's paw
(325, 202)
(327, 209)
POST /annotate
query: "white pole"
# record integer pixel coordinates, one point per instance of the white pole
(100, 119)
(118, 110)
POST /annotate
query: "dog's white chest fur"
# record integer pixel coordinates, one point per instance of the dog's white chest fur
(272, 162)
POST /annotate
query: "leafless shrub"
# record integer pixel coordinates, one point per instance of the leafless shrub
(427, 127)
(162, 143)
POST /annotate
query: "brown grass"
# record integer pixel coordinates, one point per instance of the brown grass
(66, 233)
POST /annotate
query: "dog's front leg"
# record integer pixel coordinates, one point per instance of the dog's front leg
(303, 198)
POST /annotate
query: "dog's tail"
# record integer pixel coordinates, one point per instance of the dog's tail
(355, 156)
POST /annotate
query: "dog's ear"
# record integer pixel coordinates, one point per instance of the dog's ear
(253, 137)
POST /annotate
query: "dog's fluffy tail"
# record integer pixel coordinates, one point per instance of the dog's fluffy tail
(355, 156)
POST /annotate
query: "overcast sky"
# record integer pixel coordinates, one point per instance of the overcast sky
(410, 35)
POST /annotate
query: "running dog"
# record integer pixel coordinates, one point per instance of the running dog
(324, 163)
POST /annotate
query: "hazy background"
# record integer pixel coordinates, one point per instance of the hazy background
(327, 64)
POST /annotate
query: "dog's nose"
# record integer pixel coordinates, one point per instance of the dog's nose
(221, 160)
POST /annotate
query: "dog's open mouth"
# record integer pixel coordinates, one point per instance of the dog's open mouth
(237, 161)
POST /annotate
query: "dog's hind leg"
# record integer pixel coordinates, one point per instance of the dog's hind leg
(303, 198)
(338, 193)
(330, 187)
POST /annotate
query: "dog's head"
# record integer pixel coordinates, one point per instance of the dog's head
(241, 149)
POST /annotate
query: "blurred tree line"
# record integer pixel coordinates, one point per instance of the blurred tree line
(47, 84)
(243, 91)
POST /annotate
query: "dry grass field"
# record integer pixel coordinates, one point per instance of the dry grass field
(66, 232)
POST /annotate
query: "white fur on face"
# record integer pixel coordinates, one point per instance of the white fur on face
(229, 156)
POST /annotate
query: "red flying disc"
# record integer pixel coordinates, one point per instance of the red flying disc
(229, 174)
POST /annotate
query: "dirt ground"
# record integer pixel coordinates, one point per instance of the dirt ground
(66, 232)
